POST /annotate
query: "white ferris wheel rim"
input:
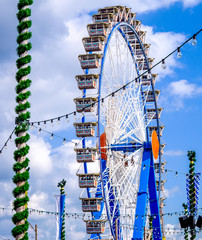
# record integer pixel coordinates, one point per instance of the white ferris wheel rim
(123, 119)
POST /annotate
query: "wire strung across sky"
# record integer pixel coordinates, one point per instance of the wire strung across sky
(31, 123)
(76, 143)
(178, 49)
(75, 215)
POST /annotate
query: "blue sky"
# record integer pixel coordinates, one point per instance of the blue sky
(58, 28)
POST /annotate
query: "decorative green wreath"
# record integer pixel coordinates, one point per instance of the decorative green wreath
(21, 168)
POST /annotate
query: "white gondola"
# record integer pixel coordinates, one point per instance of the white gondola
(146, 80)
(85, 154)
(154, 128)
(93, 43)
(103, 18)
(149, 96)
(89, 60)
(142, 65)
(87, 81)
(95, 226)
(91, 204)
(97, 29)
(85, 104)
(151, 113)
(86, 129)
(88, 180)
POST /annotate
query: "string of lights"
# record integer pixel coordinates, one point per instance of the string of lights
(53, 135)
(82, 215)
(64, 140)
(162, 61)
(9, 139)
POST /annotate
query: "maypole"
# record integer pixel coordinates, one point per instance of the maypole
(21, 166)
(192, 190)
(186, 234)
(61, 185)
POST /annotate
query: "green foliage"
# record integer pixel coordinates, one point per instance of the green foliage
(191, 155)
(22, 139)
(24, 25)
(23, 48)
(22, 72)
(18, 166)
(21, 152)
(17, 217)
(19, 202)
(23, 13)
(23, 60)
(22, 107)
(19, 177)
(23, 85)
(22, 189)
(23, 3)
(23, 36)
(21, 128)
(23, 96)
(23, 116)
(25, 237)
(20, 229)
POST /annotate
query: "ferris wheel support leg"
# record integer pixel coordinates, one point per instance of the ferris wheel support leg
(154, 206)
(138, 232)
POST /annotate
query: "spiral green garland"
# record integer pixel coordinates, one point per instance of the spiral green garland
(22, 162)
(186, 235)
(192, 191)
(62, 192)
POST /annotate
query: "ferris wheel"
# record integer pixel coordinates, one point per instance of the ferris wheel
(122, 184)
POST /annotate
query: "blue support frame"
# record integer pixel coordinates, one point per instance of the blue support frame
(147, 185)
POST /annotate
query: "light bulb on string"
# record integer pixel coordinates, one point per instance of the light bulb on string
(44, 124)
(75, 115)
(102, 101)
(39, 132)
(149, 74)
(52, 124)
(1, 153)
(194, 41)
(32, 126)
(179, 54)
(67, 118)
(5, 146)
(58, 122)
(51, 138)
(64, 141)
(163, 64)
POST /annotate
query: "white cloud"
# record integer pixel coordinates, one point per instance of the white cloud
(174, 153)
(39, 154)
(162, 43)
(89, 5)
(177, 92)
(169, 193)
(184, 89)
(39, 200)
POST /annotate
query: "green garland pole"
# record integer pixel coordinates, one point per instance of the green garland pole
(62, 192)
(192, 192)
(21, 168)
(186, 235)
